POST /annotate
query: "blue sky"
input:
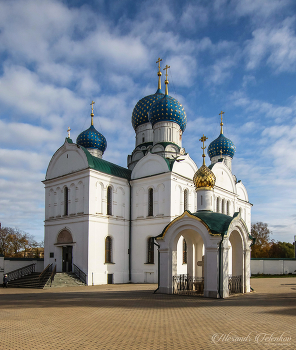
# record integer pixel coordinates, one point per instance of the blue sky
(235, 56)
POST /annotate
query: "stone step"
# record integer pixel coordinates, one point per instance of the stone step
(64, 279)
(29, 281)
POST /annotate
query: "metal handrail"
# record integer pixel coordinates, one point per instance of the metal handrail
(188, 285)
(21, 272)
(79, 273)
(43, 273)
(235, 284)
(54, 271)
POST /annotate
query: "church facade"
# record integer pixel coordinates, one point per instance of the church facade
(114, 223)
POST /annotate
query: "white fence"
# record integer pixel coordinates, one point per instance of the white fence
(273, 266)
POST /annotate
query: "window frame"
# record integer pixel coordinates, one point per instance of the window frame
(150, 250)
(150, 202)
(185, 252)
(66, 201)
(109, 200)
(108, 250)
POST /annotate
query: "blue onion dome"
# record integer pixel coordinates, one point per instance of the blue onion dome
(140, 112)
(223, 144)
(91, 138)
(168, 109)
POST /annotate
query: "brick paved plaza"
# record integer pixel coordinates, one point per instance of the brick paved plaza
(132, 317)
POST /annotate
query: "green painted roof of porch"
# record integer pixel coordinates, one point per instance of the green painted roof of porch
(217, 223)
(106, 167)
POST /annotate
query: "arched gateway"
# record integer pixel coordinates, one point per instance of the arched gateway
(218, 245)
(224, 241)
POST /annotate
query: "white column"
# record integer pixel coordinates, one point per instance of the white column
(247, 270)
(166, 273)
(204, 199)
(224, 291)
(211, 272)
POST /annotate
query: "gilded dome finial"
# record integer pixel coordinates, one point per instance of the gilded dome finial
(203, 139)
(92, 112)
(68, 132)
(221, 124)
(166, 79)
(204, 178)
(159, 73)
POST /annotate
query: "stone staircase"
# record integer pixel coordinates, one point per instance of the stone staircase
(64, 279)
(30, 281)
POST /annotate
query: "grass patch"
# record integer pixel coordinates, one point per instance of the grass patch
(261, 275)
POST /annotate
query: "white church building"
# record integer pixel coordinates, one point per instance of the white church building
(161, 220)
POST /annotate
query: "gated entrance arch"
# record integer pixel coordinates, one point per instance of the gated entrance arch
(209, 233)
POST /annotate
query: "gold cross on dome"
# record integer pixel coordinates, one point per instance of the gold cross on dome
(68, 132)
(203, 139)
(92, 107)
(158, 61)
(166, 71)
(166, 79)
(92, 112)
(221, 124)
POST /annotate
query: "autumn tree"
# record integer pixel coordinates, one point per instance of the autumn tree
(261, 232)
(16, 243)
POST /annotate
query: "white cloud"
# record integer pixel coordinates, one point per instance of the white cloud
(275, 45)
(23, 90)
(263, 108)
(25, 135)
(183, 70)
(194, 16)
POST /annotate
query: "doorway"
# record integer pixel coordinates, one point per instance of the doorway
(67, 259)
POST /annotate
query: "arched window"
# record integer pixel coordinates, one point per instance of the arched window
(150, 257)
(223, 206)
(184, 251)
(143, 138)
(150, 202)
(66, 200)
(109, 200)
(200, 200)
(217, 208)
(185, 199)
(228, 208)
(108, 250)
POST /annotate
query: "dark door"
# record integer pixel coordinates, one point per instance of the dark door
(67, 259)
(110, 278)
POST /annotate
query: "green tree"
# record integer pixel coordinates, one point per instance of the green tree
(281, 250)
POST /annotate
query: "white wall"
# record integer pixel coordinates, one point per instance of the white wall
(273, 266)
(14, 264)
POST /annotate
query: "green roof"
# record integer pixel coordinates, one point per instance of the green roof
(216, 223)
(164, 144)
(106, 167)
(170, 163)
(69, 140)
(145, 144)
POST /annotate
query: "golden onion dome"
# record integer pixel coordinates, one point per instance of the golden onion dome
(204, 178)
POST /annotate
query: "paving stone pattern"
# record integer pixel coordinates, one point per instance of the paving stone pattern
(132, 317)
